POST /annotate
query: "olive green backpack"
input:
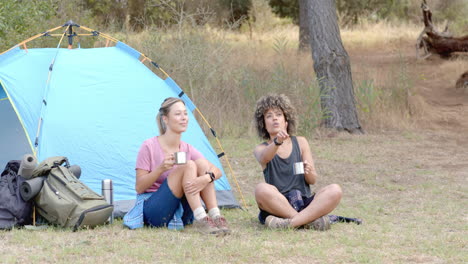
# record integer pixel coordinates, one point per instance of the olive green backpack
(64, 200)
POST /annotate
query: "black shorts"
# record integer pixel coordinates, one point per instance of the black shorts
(263, 214)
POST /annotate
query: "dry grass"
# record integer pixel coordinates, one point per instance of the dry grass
(383, 35)
(409, 187)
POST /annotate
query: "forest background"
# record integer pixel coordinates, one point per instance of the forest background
(406, 177)
(227, 53)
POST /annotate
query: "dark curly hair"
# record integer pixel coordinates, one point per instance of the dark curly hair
(268, 102)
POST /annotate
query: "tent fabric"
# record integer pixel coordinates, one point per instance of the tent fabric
(13, 140)
(97, 106)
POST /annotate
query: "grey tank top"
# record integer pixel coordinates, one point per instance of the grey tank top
(279, 172)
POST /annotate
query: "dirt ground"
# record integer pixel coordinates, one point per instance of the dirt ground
(449, 106)
(440, 108)
(433, 79)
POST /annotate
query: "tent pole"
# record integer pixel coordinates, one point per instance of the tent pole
(39, 125)
(31, 38)
(44, 100)
(70, 37)
(227, 160)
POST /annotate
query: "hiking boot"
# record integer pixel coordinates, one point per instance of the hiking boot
(221, 224)
(206, 226)
(319, 224)
(277, 222)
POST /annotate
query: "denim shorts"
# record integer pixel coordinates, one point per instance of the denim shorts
(263, 214)
(159, 209)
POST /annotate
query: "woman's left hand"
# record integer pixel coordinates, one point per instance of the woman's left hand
(195, 186)
(307, 167)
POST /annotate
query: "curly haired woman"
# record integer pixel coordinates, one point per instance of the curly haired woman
(285, 199)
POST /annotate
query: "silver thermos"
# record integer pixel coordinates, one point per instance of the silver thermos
(107, 192)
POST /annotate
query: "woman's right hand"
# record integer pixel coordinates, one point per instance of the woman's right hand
(282, 136)
(168, 162)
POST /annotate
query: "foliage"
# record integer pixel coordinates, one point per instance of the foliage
(135, 14)
(353, 11)
(366, 95)
(20, 19)
(220, 13)
(350, 10)
(139, 13)
(454, 11)
(107, 11)
(160, 13)
(286, 8)
(238, 9)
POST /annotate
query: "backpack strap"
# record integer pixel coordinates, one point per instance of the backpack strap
(46, 165)
(12, 165)
(10, 172)
(10, 177)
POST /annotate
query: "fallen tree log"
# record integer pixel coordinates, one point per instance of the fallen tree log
(432, 41)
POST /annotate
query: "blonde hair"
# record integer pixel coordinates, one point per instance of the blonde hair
(268, 102)
(164, 111)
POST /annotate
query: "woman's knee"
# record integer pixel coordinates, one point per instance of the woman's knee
(179, 175)
(264, 190)
(335, 191)
(202, 165)
(190, 166)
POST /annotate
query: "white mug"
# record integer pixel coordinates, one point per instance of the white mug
(298, 168)
(180, 158)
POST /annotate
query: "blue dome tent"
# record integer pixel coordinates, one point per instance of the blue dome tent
(93, 105)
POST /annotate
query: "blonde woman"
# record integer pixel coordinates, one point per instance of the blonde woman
(170, 185)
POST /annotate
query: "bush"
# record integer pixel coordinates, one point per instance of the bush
(20, 20)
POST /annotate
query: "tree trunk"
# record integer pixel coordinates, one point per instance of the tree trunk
(304, 32)
(332, 68)
(136, 12)
(435, 42)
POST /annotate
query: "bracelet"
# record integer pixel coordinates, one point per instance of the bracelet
(212, 176)
(276, 142)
